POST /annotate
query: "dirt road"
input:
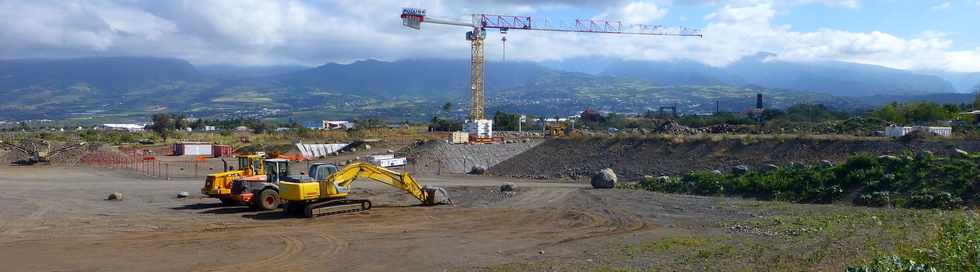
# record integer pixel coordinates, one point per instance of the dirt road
(55, 219)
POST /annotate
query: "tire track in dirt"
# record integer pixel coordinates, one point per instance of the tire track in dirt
(291, 247)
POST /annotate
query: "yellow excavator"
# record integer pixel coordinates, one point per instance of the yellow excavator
(329, 187)
(218, 185)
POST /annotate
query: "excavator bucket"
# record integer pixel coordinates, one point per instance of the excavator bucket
(436, 196)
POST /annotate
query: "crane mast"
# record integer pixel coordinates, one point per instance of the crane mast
(477, 123)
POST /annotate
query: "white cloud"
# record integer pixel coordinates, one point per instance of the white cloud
(635, 12)
(301, 32)
(942, 6)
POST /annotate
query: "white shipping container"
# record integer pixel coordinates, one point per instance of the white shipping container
(902, 131)
(390, 162)
(196, 150)
(382, 156)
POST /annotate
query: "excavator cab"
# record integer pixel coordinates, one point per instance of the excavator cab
(276, 170)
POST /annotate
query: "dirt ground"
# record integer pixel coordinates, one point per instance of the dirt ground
(55, 219)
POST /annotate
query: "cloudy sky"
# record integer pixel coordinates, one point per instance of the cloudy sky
(918, 35)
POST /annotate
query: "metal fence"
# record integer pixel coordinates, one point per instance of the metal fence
(149, 166)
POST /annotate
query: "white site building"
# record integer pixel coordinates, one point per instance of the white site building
(896, 131)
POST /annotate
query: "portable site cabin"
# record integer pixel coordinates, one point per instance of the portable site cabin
(193, 149)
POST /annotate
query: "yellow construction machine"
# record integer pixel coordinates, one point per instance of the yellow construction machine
(329, 187)
(557, 130)
(218, 185)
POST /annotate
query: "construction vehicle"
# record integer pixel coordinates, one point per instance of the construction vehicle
(38, 151)
(557, 130)
(218, 185)
(262, 193)
(331, 187)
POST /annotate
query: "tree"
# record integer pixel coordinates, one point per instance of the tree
(448, 107)
(976, 101)
(180, 122)
(163, 125)
(505, 121)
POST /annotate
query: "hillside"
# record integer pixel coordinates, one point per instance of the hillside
(410, 78)
(835, 78)
(128, 88)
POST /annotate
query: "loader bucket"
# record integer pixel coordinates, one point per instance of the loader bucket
(436, 196)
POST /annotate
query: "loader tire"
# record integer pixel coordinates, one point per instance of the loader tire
(268, 200)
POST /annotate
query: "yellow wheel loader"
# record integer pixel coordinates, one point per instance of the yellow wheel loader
(218, 185)
(329, 188)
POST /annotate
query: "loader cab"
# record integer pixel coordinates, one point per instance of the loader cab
(251, 165)
(276, 170)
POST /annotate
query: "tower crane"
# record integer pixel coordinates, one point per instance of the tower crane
(479, 23)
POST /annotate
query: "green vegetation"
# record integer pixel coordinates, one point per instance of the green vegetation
(956, 247)
(920, 181)
(918, 112)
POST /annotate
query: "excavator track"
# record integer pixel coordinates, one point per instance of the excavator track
(333, 207)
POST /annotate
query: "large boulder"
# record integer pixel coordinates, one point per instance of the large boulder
(478, 170)
(115, 196)
(507, 187)
(741, 169)
(604, 179)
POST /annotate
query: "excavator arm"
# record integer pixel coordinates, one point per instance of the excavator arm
(344, 177)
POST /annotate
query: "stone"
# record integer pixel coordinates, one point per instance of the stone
(478, 170)
(769, 167)
(961, 152)
(116, 196)
(717, 172)
(508, 187)
(183, 195)
(604, 179)
(367, 147)
(888, 157)
(390, 151)
(740, 169)
(663, 179)
(827, 163)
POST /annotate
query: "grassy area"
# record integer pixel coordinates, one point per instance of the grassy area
(912, 181)
(791, 238)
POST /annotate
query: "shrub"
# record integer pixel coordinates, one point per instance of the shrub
(954, 248)
(922, 181)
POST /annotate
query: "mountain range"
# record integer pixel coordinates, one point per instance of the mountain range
(835, 78)
(128, 87)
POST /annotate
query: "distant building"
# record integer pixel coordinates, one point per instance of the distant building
(895, 131)
(126, 127)
(210, 128)
(331, 125)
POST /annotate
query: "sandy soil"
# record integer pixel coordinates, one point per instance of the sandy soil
(55, 219)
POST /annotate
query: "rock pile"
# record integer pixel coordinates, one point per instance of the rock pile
(672, 127)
